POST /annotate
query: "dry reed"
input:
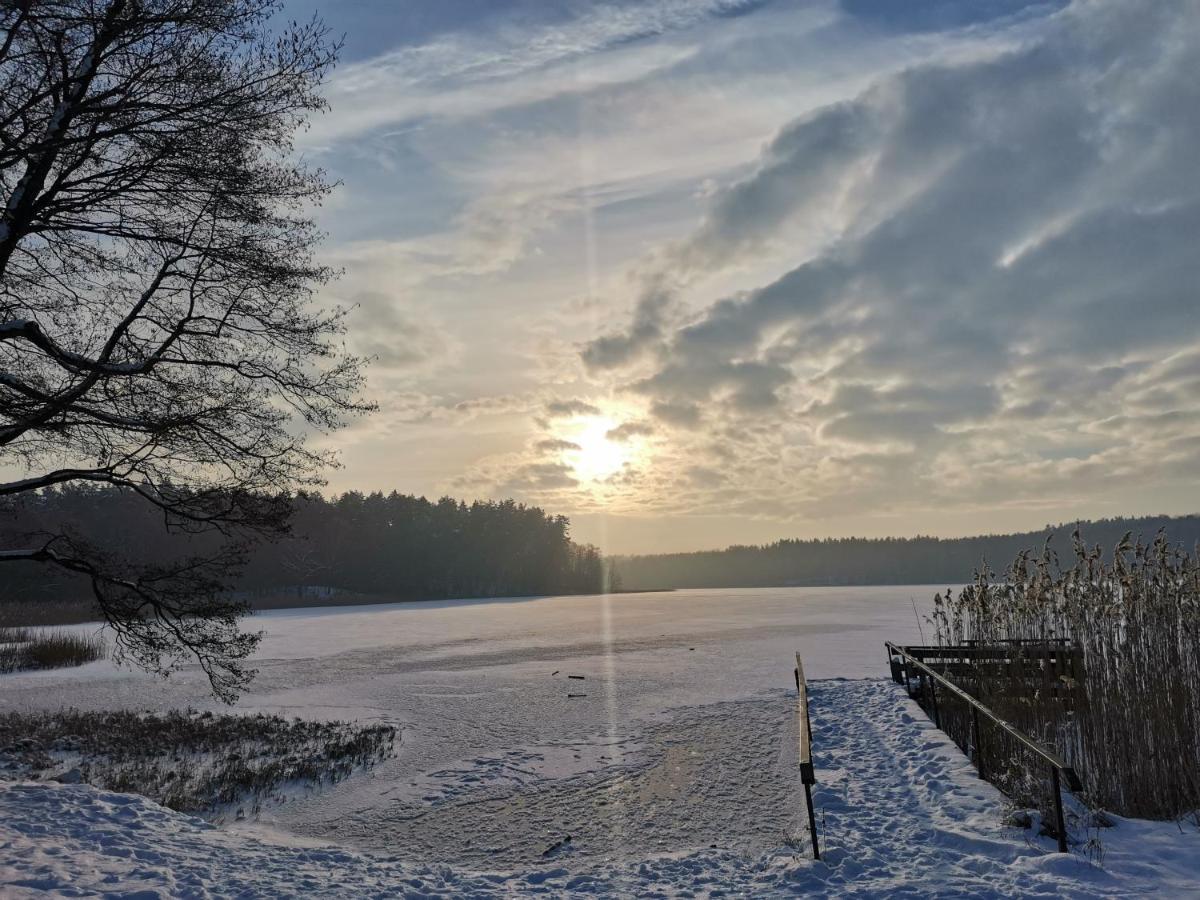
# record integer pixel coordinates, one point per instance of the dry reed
(29, 648)
(196, 762)
(1126, 714)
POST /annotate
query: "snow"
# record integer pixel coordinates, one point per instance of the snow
(674, 776)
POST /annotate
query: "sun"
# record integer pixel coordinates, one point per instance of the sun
(598, 457)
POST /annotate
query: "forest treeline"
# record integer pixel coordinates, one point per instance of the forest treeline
(358, 547)
(392, 545)
(851, 561)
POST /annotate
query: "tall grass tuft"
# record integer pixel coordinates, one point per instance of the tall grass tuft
(195, 762)
(1128, 717)
(29, 648)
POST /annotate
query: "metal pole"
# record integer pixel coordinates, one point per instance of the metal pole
(937, 719)
(812, 821)
(1058, 811)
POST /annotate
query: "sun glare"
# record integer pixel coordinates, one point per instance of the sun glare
(598, 457)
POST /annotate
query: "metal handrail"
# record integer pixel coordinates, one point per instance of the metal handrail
(1050, 646)
(1057, 763)
(1019, 641)
(808, 776)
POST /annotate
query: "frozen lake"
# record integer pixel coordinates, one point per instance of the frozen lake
(681, 725)
(673, 774)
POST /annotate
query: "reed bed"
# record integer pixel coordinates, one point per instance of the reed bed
(1122, 703)
(31, 648)
(195, 762)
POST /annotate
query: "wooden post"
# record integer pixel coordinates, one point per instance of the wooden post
(812, 821)
(807, 775)
(978, 738)
(1058, 811)
(937, 718)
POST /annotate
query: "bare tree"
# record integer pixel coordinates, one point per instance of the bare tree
(157, 325)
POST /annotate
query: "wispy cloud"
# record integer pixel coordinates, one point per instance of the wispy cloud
(464, 73)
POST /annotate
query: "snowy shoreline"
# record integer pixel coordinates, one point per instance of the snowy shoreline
(901, 811)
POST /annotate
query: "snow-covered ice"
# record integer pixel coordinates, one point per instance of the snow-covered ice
(674, 776)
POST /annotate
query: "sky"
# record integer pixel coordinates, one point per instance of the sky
(707, 272)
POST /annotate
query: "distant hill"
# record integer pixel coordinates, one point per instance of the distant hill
(916, 560)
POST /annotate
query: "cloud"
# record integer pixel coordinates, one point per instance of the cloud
(937, 15)
(537, 477)
(489, 235)
(988, 241)
(397, 338)
(500, 404)
(682, 415)
(555, 445)
(614, 350)
(471, 73)
(745, 385)
(704, 476)
(909, 414)
(515, 476)
(742, 219)
(562, 409)
(809, 166)
(627, 430)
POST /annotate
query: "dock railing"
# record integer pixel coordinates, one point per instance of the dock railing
(808, 776)
(905, 666)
